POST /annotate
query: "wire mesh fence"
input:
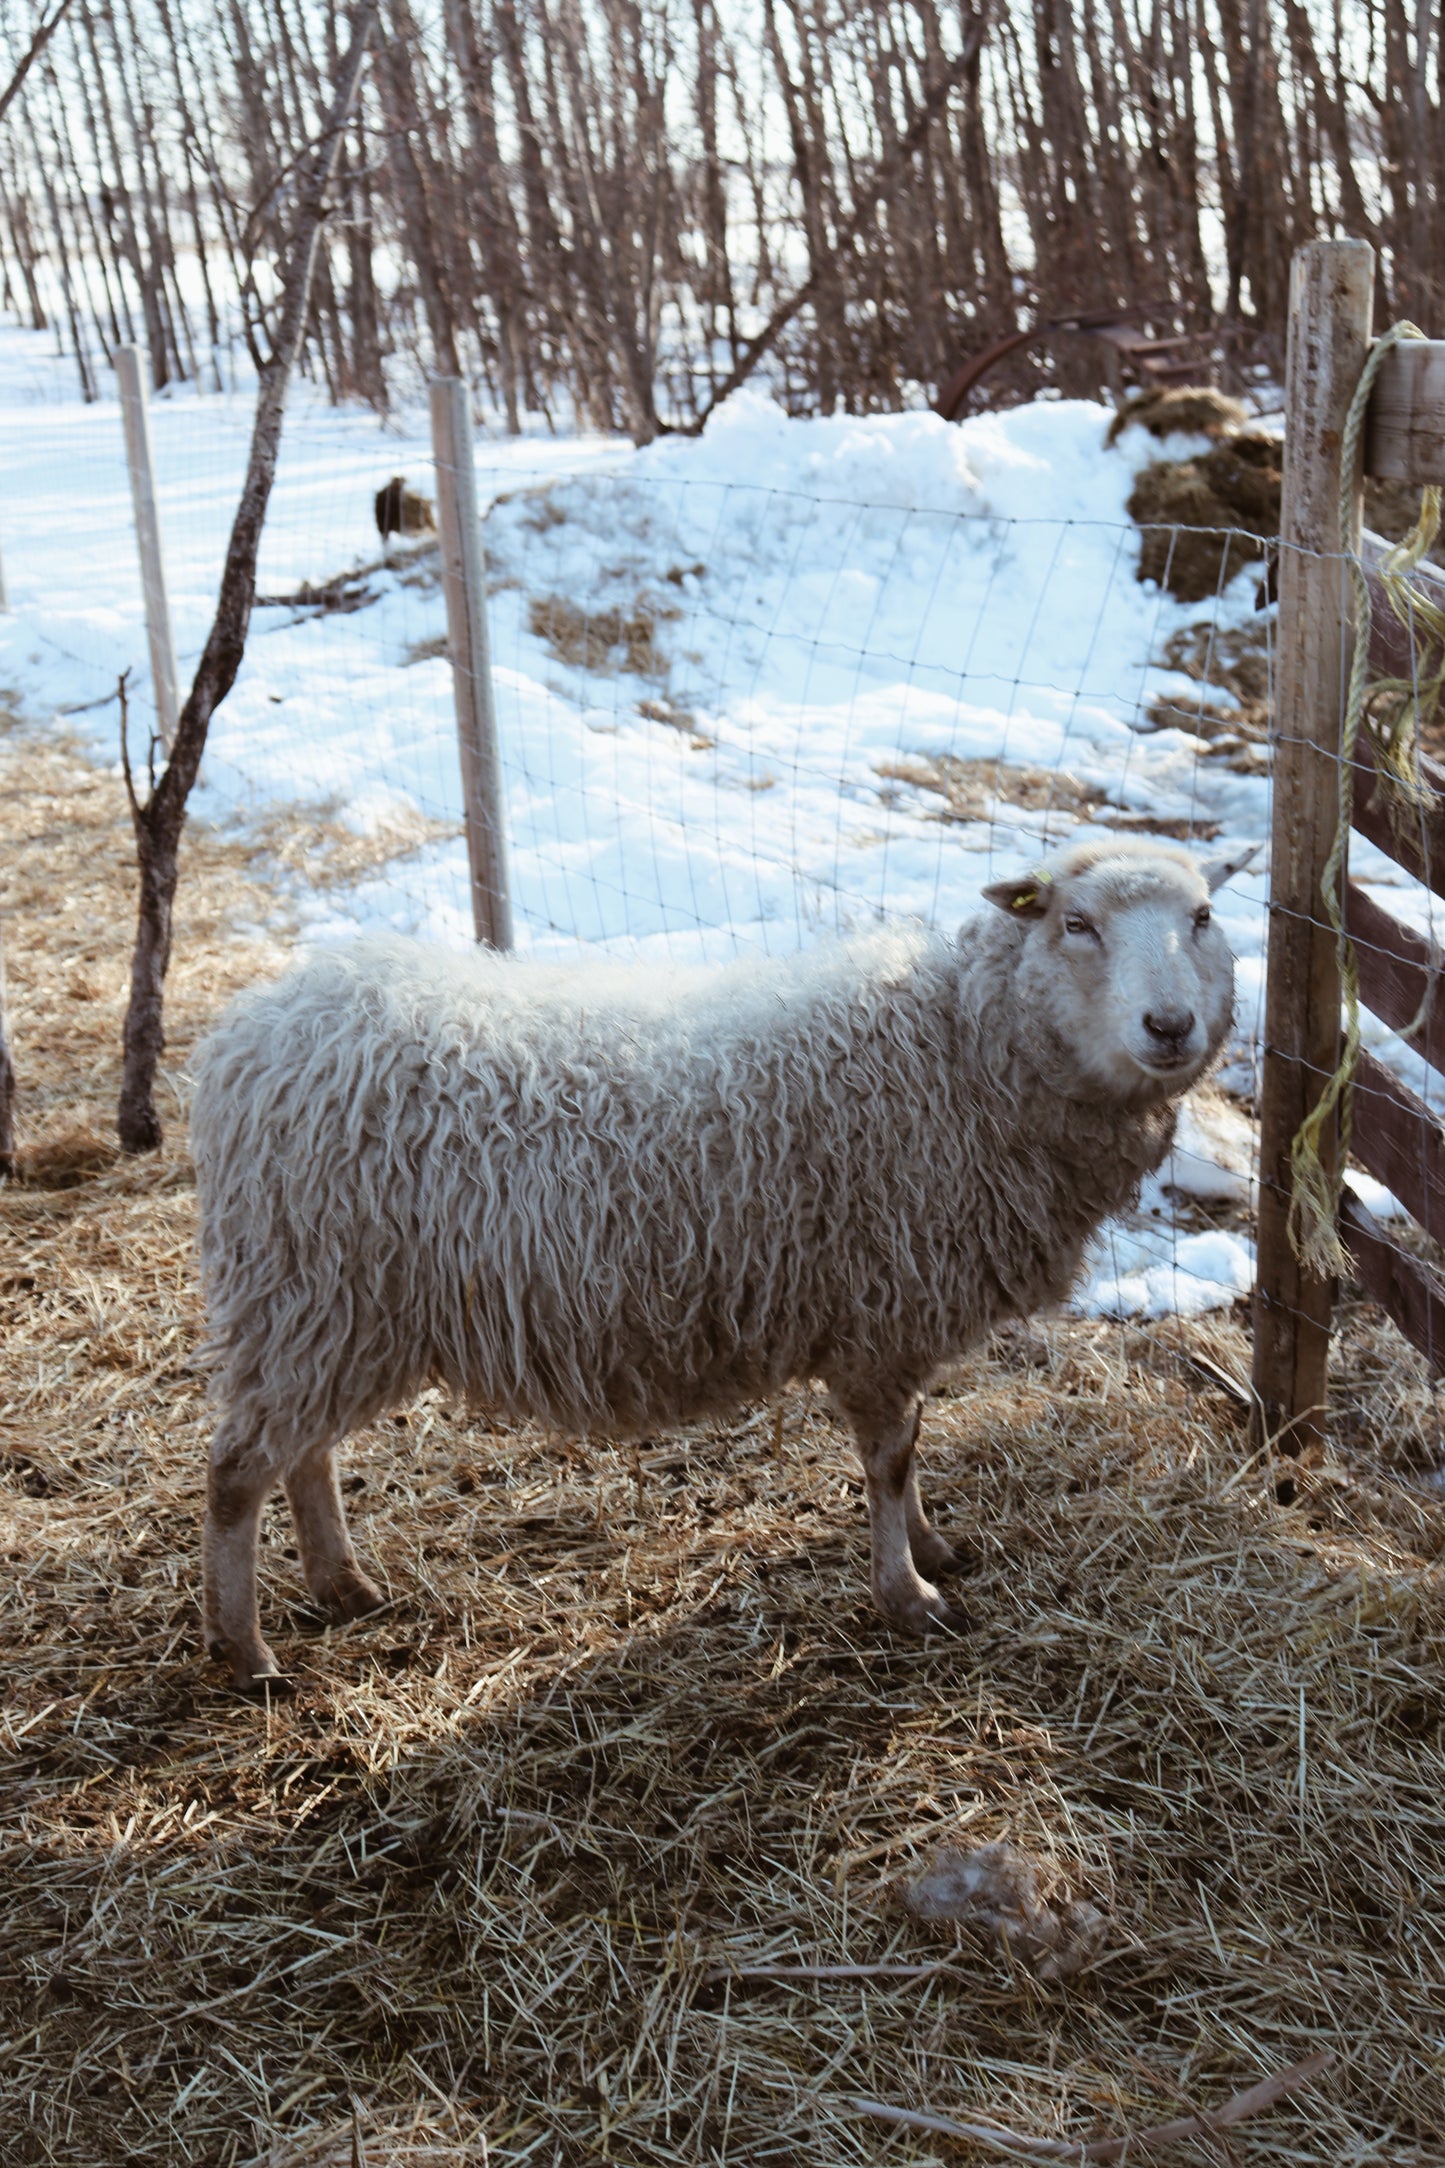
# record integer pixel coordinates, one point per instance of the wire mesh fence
(746, 698)
(735, 713)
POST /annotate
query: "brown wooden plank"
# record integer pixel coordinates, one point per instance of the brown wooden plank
(1415, 840)
(1401, 973)
(1389, 639)
(1405, 430)
(1398, 1140)
(1331, 284)
(1413, 1295)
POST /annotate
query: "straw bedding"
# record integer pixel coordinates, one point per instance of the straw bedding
(482, 1889)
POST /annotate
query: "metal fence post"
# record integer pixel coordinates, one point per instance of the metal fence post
(164, 675)
(464, 580)
(1329, 336)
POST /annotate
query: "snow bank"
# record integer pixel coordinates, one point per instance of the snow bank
(785, 677)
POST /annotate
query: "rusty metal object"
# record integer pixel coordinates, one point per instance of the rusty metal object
(1156, 361)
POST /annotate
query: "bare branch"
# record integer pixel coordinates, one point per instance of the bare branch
(1251, 2102)
(43, 35)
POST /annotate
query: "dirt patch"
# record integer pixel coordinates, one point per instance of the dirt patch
(629, 1721)
(67, 897)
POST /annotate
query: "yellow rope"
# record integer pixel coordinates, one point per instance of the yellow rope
(1390, 711)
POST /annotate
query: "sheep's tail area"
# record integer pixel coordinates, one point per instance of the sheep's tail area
(374, 1218)
(301, 1239)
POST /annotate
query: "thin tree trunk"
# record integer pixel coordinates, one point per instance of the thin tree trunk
(884, 175)
(160, 820)
(44, 32)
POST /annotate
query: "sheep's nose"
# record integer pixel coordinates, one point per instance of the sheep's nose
(1173, 1026)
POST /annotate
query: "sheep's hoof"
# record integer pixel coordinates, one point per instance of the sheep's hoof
(350, 1595)
(923, 1613)
(256, 1673)
(265, 1686)
(933, 1555)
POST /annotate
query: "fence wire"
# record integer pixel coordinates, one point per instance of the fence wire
(734, 714)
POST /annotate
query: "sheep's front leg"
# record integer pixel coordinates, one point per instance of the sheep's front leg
(901, 1536)
(239, 1480)
(333, 1573)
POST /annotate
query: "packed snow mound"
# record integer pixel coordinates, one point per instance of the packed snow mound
(790, 676)
(914, 462)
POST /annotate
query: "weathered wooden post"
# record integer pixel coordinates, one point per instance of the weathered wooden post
(1329, 336)
(164, 674)
(464, 580)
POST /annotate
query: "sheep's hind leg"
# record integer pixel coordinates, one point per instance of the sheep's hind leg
(896, 1518)
(328, 1561)
(932, 1553)
(239, 1480)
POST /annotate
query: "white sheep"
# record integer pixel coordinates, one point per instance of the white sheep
(613, 1200)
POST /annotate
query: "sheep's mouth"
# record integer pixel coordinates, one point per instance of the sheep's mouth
(1168, 1065)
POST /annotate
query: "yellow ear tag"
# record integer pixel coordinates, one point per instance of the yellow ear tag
(1031, 895)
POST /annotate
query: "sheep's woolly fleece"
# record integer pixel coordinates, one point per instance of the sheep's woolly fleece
(618, 1199)
(827, 603)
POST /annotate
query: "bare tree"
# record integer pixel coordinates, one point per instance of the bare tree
(44, 32)
(160, 818)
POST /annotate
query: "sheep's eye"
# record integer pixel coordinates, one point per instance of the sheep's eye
(1203, 915)
(1074, 923)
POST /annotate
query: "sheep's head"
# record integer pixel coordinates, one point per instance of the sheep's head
(1123, 964)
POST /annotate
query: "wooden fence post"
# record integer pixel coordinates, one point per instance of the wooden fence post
(165, 677)
(1329, 336)
(464, 579)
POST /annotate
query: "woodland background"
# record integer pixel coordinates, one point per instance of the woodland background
(587, 206)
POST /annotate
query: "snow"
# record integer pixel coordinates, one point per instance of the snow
(804, 612)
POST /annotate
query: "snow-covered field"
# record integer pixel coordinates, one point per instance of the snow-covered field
(736, 679)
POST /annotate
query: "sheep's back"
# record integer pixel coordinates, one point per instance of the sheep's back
(576, 1198)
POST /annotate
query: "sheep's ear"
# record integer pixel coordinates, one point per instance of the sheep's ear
(1217, 871)
(1026, 896)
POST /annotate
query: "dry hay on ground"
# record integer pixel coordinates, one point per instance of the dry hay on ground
(1204, 519)
(973, 790)
(1236, 660)
(979, 790)
(1179, 409)
(603, 640)
(630, 1721)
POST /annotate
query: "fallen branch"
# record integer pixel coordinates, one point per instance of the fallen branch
(159, 821)
(1253, 2102)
